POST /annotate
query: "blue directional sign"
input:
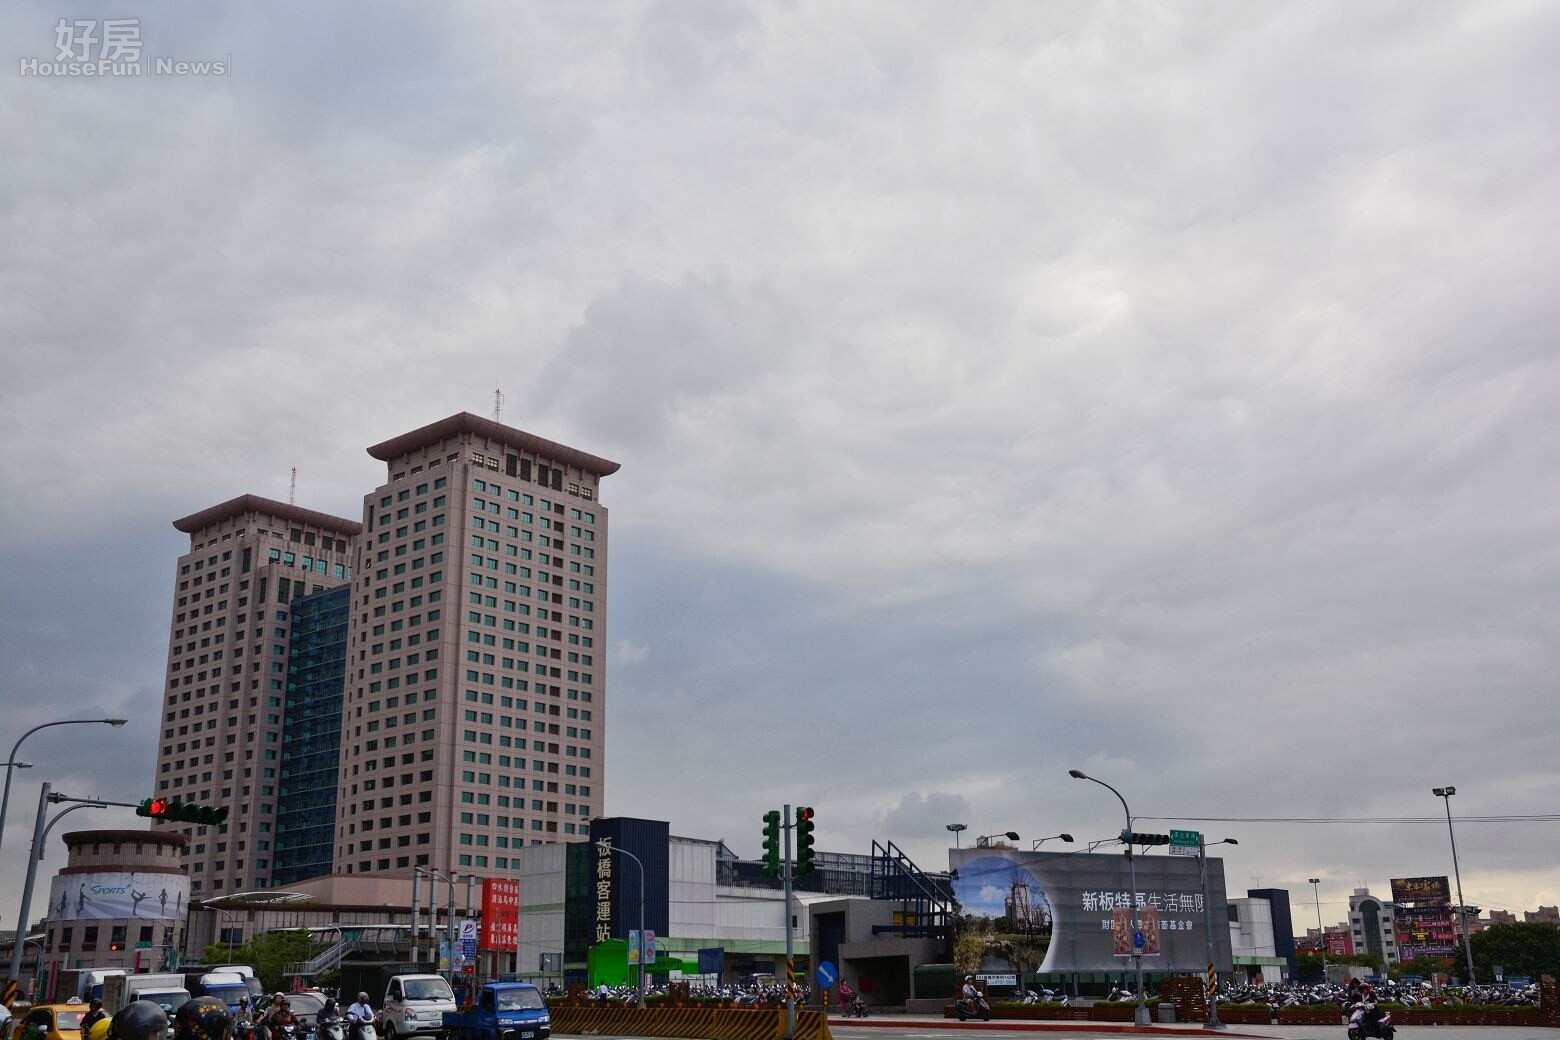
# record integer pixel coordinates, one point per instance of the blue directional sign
(1138, 940)
(826, 974)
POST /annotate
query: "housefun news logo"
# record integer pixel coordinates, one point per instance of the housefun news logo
(112, 48)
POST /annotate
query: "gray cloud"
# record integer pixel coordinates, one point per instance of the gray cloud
(1162, 392)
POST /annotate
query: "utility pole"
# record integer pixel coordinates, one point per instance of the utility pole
(790, 991)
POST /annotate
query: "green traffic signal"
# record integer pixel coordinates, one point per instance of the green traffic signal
(804, 840)
(772, 843)
(1139, 838)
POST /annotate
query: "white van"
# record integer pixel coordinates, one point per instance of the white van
(415, 1004)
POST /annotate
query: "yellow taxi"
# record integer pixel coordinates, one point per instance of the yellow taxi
(51, 1022)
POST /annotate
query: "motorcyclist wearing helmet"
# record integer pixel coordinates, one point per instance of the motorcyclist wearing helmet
(93, 1017)
(202, 1018)
(969, 992)
(277, 1015)
(138, 1020)
(360, 1012)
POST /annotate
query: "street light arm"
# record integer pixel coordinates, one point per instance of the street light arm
(5, 799)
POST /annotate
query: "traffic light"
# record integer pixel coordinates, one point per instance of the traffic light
(804, 840)
(181, 812)
(1139, 838)
(772, 843)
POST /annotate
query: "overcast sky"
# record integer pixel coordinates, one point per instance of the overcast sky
(1167, 391)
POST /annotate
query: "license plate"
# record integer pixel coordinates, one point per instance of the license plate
(529, 1034)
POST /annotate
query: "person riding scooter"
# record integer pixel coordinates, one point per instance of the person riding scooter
(971, 1002)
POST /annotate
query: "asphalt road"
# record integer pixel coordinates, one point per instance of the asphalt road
(885, 1028)
(952, 1031)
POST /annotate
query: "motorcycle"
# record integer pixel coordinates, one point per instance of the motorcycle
(967, 1009)
(362, 1029)
(331, 1029)
(1362, 1024)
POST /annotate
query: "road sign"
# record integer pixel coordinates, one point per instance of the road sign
(1184, 843)
(144, 944)
(826, 974)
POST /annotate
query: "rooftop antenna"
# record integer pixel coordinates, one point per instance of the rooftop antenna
(498, 405)
(292, 488)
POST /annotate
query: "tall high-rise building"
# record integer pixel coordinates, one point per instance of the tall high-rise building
(424, 688)
(474, 715)
(311, 748)
(228, 652)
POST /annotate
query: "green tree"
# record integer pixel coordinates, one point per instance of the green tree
(1521, 949)
(1425, 966)
(269, 954)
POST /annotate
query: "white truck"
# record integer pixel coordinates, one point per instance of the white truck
(166, 991)
(415, 1005)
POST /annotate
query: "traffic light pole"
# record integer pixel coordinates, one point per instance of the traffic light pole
(790, 990)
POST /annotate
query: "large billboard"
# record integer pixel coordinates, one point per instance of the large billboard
(1056, 911)
(115, 894)
(1424, 931)
(500, 913)
(1422, 890)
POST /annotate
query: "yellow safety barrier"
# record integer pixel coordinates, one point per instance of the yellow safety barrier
(689, 1023)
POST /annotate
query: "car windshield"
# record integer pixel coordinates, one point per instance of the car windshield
(68, 1019)
(519, 1000)
(428, 989)
(305, 1004)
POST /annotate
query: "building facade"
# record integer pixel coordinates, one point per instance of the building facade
(120, 901)
(474, 715)
(1371, 920)
(225, 688)
(311, 752)
(425, 687)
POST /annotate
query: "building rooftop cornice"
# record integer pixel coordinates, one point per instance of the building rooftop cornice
(236, 507)
(465, 422)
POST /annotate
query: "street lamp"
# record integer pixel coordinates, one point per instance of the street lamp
(1321, 929)
(956, 828)
(1041, 841)
(603, 844)
(1202, 867)
(1445, 794)
(984, 841)
(12, 763)
(1140, 1016)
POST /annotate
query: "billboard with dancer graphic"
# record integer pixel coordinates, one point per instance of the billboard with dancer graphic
(114, 894)
(1058, 911)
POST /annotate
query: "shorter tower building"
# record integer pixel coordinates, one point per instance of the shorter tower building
(119, 902)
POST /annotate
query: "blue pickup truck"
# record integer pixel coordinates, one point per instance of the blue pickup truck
(504, 1011)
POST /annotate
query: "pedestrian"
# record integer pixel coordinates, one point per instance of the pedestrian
(846, 994)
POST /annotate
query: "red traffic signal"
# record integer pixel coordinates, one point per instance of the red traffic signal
(181, 812)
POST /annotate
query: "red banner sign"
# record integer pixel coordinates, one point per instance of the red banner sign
(500, 913)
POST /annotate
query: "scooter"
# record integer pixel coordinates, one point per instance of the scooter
(362, 1029)
(1361, 1025)
(967, 1009)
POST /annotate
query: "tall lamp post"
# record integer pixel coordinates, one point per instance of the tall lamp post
(12, 764)
(956, 828)
(1445, 794)
(1202, 867)
(1041, 841)
(603, 844)
(1321, 929)
(1140, 1016)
